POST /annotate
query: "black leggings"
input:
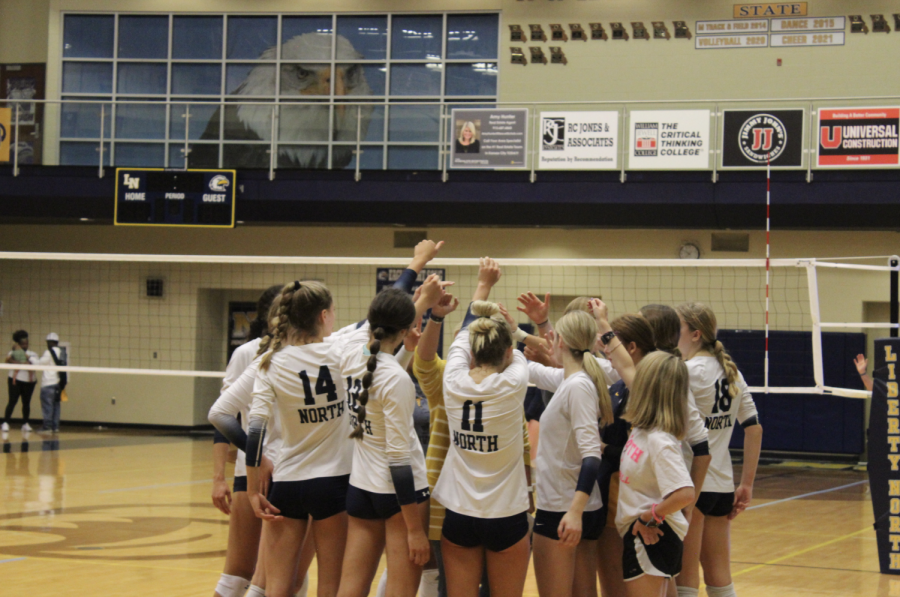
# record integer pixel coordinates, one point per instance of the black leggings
(21, 388)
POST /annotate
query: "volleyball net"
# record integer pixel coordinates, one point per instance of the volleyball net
(170, 315)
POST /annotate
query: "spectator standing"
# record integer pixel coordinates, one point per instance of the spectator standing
(20, 383)
(52, 384)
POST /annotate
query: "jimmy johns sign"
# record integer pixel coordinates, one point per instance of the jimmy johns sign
(757, 138)
(884, 454)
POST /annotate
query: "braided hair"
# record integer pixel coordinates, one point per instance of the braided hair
(297, 308)
(391, 312)
(700, 317)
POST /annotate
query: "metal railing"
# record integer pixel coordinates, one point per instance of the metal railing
(276, 141)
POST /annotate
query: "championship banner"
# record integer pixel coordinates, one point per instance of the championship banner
(5, 132)
(488, 138)
(752, 138)
(884, 454)
(863, 137)
(579, 141)
(669, 140)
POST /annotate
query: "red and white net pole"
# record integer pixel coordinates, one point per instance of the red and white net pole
(768, 230)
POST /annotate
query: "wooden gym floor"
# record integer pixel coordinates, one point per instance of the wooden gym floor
(125, 513)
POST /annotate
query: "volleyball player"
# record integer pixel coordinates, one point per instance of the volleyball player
(570, 516)
(483, 482)
(724, 400)
(636, 336)
(655, 483)
(387, 497)
(243, 526)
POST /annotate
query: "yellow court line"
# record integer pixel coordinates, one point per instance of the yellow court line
(802, 551)
(118, 565)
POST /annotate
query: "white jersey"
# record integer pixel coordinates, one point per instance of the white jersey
(651, 468)
(721, 412)
(569, 434)
(484, 473)
(22, 375)
(303, 385)
(389, 435)
(241, 358)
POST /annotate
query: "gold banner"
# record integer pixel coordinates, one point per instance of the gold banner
(773, 9)
(5, 133)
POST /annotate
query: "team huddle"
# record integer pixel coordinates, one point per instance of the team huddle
(633, 481)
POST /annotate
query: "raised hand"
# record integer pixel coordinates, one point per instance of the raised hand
(542, 355)
(412, 338)
(512, 322)
(862, 365)
(424, 252)
(537, 311)
(599, 310)
(488, 272)
(432, 290)
(445, 306)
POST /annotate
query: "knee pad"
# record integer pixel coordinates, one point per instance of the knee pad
(255, 591)
(721, 591)
(232, 586)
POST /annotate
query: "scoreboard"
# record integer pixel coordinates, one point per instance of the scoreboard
(159, 197)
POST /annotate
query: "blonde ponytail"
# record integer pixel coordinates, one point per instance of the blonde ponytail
(298, 307)
(578, 331)
(700, 317)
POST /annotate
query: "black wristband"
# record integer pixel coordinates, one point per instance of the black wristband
(607, 337)
(546, 321)
(436, 319)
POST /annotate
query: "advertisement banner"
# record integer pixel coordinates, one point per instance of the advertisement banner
(751, 138)
(863, 137)
(5, 132)
(669, 140)
(488, 138)
(579, 141)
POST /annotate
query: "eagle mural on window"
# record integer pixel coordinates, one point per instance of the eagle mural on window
(302, 124)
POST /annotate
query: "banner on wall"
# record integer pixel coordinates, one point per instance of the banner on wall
(861, 137)
(386, 276)
(5, 132)
(751, 138)
(579, 141)
(488, 138)
(669, 140)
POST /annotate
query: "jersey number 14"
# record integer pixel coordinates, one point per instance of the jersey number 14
(324, 385)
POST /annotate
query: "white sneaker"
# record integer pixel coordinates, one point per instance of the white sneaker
(26, 427)
(5, 426)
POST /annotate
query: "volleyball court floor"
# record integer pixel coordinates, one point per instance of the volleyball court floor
(128, 512)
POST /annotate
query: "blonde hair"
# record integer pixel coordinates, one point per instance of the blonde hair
(297, 308)
(659, 393)
(489, 335)
(468, 125)
(580, 303)
(699, 317)
(578, 331)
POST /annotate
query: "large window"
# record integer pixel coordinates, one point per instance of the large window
(213, 83)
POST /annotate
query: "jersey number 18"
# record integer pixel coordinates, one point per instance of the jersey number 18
(723, 397)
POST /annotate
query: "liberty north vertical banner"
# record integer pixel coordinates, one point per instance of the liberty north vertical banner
(884, 454)
(488, 138)
(579, 141)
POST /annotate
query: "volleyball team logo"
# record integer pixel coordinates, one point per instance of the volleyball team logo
(554, 134)
(762, 138)
(219, 183)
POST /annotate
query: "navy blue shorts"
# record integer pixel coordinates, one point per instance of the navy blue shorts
(240, 484)
(592, 523)
(660, 559)
(494, 534)
(377, 506)
(715, 504)
(320, 498)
